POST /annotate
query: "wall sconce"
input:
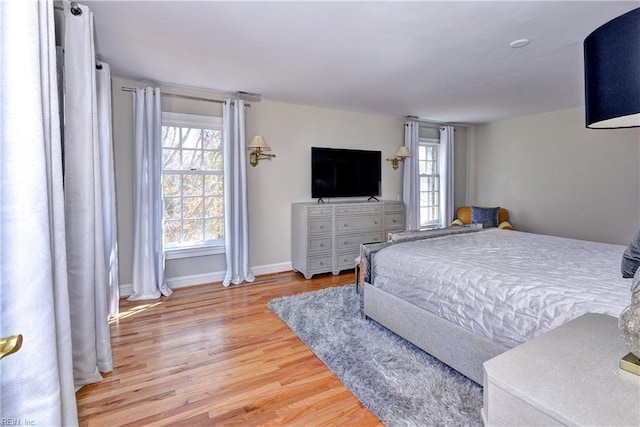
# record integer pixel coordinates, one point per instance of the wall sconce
(402, 153)
(258, 145)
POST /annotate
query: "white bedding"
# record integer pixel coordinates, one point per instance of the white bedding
(508, 286)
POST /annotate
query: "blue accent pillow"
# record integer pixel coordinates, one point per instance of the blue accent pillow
(488, 217)
(631, 258)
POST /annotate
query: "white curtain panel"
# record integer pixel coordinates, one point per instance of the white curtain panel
(411, 177)
(36, 383)
(85, 219)
(149, 281)
(236, 213)
(447, 136)
(108, 181)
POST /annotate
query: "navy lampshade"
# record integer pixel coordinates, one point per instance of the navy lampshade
(612, 73)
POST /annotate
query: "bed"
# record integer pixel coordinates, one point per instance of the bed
(467, 295)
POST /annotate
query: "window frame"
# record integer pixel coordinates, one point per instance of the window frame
(426, 142)
(203, 248)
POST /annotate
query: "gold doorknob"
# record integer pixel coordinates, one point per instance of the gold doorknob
(10, 345)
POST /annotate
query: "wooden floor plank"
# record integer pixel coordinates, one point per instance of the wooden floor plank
(209, 355)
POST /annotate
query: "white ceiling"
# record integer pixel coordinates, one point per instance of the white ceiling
(445, 61)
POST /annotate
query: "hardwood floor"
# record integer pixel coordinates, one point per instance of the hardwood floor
(209, 355)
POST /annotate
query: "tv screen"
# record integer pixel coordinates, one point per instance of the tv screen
(337, 172)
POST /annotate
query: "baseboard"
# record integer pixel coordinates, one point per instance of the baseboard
(126, 290)
(216, 276)
(271, 268)
(195, 279)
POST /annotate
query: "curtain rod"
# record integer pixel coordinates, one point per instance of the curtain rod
(426, 122)
(434, 125)
(177, 95)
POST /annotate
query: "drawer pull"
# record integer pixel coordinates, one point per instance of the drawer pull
(375, 222)
(322, 245)
(346, 242)
(321, 227)
(393, 221)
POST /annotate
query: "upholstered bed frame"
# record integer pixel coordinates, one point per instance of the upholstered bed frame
(405, 274)
(459, 348)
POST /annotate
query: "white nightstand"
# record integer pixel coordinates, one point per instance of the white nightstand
(568, 376)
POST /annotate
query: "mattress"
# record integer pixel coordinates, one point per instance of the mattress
(507, 286)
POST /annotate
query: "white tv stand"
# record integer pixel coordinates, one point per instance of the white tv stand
(326, 237)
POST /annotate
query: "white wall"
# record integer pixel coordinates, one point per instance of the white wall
(189, 270)
(291, 131)
(554, 176)
(557, 177)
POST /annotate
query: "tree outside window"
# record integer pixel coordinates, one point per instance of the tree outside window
(192, 182)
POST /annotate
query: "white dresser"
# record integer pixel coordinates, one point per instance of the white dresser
(327, 237)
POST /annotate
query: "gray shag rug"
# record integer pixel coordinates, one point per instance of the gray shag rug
(401, 384)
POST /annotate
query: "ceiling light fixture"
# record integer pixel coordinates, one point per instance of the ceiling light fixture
(519, 43)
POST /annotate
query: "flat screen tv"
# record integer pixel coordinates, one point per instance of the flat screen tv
(337, 172)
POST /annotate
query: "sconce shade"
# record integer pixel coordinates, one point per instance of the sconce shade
(612, 73)
(403, 151)
(259, 142)
(257, 146)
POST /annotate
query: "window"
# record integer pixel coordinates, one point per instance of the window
(429, 169)
(192, 185)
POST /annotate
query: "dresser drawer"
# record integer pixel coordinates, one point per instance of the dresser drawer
(359, 209)
(347, 260)
(346, 225)
(394, 221)
(354, 241)
(394, 207)
(320, 211)
(326, 237)
(320, 263)
(320, 226)
(320, 244)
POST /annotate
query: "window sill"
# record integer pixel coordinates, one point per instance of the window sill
(193, 251)
(430, 227)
